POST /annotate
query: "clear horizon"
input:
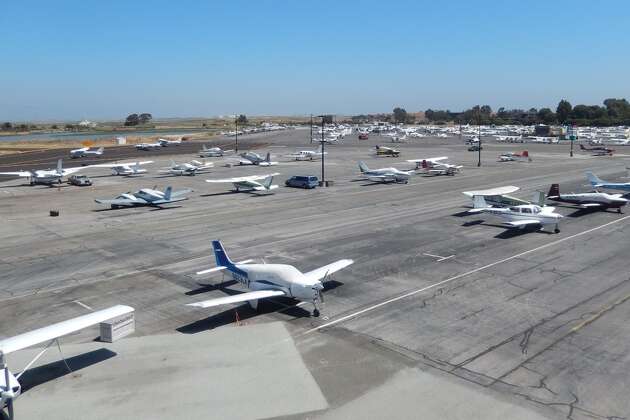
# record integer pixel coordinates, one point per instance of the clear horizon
(71, 61)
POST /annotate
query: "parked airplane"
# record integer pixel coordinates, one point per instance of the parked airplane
(212, 151)
(588, 200)
(165, 142)
(251, 158)
(250, 183)
(436, 166)
(125, 169)
(145, 197)
(10, 387)
(149, 146)
(386, 151)
(269, 280)
(498, 197)
(308, 154)
(600, 183)
(190, 168)
(520, 216)
(597, 151)
(385, 175)
(46, 176)
(86, 152)
(512, 157)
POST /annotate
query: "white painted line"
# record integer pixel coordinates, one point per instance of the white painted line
(439, 257)
(459, 276)
(83, 304)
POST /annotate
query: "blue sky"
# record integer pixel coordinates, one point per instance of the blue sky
(99, 60)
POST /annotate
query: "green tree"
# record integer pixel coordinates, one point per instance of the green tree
(400, 115)
(546, 116)
(242, 119)
(145, 118)
(563, 111)
(7, 126)
(54, 127)
(132, 119)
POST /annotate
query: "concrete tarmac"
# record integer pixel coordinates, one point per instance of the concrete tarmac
(534, 320)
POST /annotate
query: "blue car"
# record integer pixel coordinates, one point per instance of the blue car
(307, 181)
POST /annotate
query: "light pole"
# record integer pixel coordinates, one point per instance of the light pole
(322, 142)
(236, 138)
(479, 137)
(311, 128)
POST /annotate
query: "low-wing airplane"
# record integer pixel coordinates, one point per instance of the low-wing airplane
(86, 152)
(251, 158)
(600, 183)
(589, 199)
(125, 169)
(189, 168)
(46, 176)
(520, 216)
(149, 146)
(165, 142)
(145, 197)
(212, 151)
(436, 166)
(513, 157)
(385, 175)
(386, 151)
(10, 388)
(308, 154)
(269, 280)
(597, 150)
(498, 197)
(250, 183)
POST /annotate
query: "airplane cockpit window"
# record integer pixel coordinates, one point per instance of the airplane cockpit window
(527, 210)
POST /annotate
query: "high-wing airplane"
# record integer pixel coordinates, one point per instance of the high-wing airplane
(251, 158)
(46, 176)
(212, 151)
(308, 154)
(436, 166)
(598, 150)
(386, 151)
(512, 157)
(600, 183)
(250, 183)
(385, 175)
(86, 152)
(498, 197)
(149, 146)
(146, 197)
(165, 142)
(190, 168)
(522, 216)
(588, 200)
(269, 280)
(125, 169)
(10, 387)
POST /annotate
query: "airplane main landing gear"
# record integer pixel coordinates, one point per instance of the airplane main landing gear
(556, 230)
(316, 312)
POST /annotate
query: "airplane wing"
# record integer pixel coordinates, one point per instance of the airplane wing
(18, 173)
(321, 272)
(121, 201)
(243, 178)
(42, 335)
(118, 165)
(437, 159)
(521, 223)
(242, 297)
(493, 191)
(176, 194)
(70, 171)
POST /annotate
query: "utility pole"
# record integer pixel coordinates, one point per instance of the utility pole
(479, 137)
(236, 141)
(322, 142)
(311, 128)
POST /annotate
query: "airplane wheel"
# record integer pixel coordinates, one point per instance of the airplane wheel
(316, 313)
(619, 210)
(556, 230)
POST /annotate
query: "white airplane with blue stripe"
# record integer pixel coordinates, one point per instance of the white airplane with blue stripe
(269, 280)
(600, 183)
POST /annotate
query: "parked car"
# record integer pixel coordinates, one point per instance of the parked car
(80, 180)
(475, 148)
(308, 181)
(363, 136)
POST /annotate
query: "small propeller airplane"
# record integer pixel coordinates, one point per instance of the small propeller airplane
(600, 183)
(46, 176)
(498, 197)
(86, 152)
(269, 280)
(386, 151)
(124, 169)
(522, 216)
(384, 175)
(588, 200)
(515, 157)
(146, 197)
(251, 158)
(10, 388)
(250, 183)
(308, 154)
(212, 151)
(436, 166)
(165, 142)
(190, 168)
(597, 150)
(149, 146)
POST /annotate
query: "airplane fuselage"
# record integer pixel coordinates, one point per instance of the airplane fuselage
(607, 200)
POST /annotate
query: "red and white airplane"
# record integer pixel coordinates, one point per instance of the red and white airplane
(597, 150)
(436, 166)
(515, 157)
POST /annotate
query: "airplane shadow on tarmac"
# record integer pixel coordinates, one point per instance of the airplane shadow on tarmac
(507, 233)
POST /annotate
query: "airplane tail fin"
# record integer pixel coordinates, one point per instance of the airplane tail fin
(363, 167)
(173, 163)
(167, 193)
(100, 150)
(539, 198)
(60, 166)
(593, 179)
(425, 164)
(479, 202)
(319, 148)
(220, 256)
(136, 166)
(554, 191)
(525, 153)
(267, 182)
